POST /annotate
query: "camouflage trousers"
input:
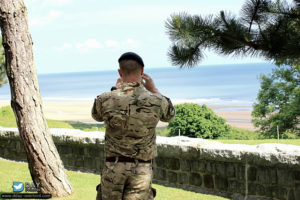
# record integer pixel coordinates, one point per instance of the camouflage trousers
(126, 181)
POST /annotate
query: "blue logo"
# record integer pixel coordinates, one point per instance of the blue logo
(18, 186)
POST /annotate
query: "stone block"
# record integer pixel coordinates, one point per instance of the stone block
(101, 153)
(80, 151)
(19, 147)
(240, 172)
(172, 163)
(86, 151)
(160, 162)
(99, 164)
(276, 192)
(236, 187)
(230, 170)
(291, 195)
(64, 159)
(93, 152)
(285, 177)
(71, 162)
(183, 178)
(297, 175)
(172, 177)
(233, 186)
(211, 167)
(89, 163)
(7, 153)
(221, 183)
(202, 166)
(185, 165)
(208, 181)
(266, 175)
(12, 144)
(252, 174)
(195, 179)
(195, 165)
(79, 162)
(221, 169)
(159, 174)
(297, 191)
(75, 150)
(260, 190)
(22, 155)
(64, 149)
(251, 189)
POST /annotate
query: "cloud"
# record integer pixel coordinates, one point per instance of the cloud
(52, 15)
(95, 44)
(111, 43)
(56, 2)
(64, 46)
(88, 44)
(131, 43)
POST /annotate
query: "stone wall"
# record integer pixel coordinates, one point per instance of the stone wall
(266, 171)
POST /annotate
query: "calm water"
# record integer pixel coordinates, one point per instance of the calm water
(220, 84)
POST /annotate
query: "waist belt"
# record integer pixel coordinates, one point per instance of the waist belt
(126, 159)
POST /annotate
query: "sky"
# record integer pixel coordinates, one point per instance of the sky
(90, 35)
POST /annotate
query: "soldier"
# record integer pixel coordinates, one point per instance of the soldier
(131, 112)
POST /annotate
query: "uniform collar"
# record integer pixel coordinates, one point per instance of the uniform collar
(130, 84)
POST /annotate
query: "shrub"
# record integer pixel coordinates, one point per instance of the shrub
(198, 121)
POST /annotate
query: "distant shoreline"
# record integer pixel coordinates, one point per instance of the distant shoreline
(235, 115)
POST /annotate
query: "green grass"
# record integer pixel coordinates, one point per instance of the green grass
(7, 119)
(84, 184)
(255, 142)
(86, 126)
(162, 131)
(237, 136)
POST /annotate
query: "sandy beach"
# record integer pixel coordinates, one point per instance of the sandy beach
(237, 116)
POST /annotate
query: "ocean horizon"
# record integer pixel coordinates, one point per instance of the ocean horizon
(230, 84)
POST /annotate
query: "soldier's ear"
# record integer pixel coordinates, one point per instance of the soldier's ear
(120, 72)
(142, 70)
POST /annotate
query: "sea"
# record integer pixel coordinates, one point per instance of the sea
(230, 84)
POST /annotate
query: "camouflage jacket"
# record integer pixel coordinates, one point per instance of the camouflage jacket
(131, 114)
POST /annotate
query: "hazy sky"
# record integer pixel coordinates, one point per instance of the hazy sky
(90, 35)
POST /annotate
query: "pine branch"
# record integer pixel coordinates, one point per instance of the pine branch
(256, 6)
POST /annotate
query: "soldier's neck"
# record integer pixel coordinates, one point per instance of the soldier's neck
(131, 79)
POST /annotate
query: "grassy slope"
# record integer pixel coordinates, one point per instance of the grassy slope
(7, 119)
(84, 184)
(254, 142)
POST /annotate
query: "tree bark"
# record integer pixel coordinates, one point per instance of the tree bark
(44, 162)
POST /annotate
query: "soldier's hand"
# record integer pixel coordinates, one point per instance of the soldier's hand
(149, 83)
(119, 83)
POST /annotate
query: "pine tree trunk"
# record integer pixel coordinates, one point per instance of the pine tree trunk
(44, 162)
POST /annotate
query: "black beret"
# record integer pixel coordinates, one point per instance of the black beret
(131, 56)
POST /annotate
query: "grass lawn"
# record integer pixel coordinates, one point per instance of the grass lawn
(241, 136)
(7, 119)
(84, 184)
(254, 142)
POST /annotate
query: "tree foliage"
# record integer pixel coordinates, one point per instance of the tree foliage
(279, 102)
(198, 121)
(265, 28)
(3, 77)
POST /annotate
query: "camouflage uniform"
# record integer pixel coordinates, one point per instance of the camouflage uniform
(131, 114)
